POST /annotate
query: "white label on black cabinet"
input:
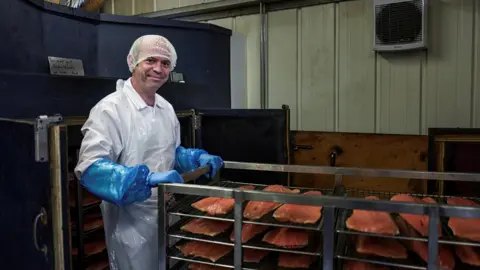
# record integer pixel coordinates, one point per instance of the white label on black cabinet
(65, 66)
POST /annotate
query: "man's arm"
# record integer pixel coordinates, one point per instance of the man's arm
(97, 168)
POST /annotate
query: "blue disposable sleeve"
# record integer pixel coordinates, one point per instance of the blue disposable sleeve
(117, 184)
(187, 159)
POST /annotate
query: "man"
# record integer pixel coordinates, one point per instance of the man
(131, 144)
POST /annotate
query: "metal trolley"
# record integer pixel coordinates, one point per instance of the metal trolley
(330, 233)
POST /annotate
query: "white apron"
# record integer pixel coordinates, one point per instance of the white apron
(122, 127)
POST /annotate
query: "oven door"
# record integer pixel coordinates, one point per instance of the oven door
(26, 224)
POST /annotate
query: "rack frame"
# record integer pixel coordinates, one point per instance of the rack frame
(329, 202)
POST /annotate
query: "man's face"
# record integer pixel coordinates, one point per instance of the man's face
(152, 72)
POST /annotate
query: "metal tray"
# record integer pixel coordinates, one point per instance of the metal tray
(447, 235)
(347, 251)
(314, 247)
(184, 208)
(226, 261)
(270, 261)
(183, 265)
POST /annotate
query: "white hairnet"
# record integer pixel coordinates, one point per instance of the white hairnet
(151, 46)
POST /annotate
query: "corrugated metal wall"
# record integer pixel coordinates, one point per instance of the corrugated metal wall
(321, 63)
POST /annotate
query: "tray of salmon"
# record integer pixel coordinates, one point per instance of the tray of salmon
(388, 253)
(255, 212)
(205, 255)
(460, 229)
(412, 230)
(255, 236)
(376, 223)
(376, 253)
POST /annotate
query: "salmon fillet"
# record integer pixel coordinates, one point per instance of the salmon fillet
(201, 266)
(418, 222)
(249, 231)
(468, 254)
(467, 228)
(218, 205)
(296, 213)
(254, 255)
(380, 246)
(205, 226)
(257, 209)
(445, 256)
(209, 251)
(352, 265)
(372, 221)
(287, 238)
(289, 260)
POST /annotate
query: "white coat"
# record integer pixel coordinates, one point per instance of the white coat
(124, 129)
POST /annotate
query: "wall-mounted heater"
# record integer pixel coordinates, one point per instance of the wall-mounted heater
(400, 25)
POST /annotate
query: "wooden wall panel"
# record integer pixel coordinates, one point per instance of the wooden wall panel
(356, 67)
(399, 83)
(448, 77)
(365, 151)
(476, 69)
(249, 26)
(123, 7)
(143, 6)
(282, 62)
(316, 73)
(165, 4)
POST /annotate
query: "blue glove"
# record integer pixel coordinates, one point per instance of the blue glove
(156, 178)
(189, 159)
(214, 161)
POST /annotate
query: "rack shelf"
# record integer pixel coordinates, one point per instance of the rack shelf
(184, 209)
(447, 235)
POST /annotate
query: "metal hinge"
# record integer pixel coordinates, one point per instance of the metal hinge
(41, 135)
(197, 122)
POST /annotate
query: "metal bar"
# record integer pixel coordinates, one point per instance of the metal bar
(223, 5)
(238, 252)
(244, 11)
(469, 177)
(80, 223)
(228, 8)
(338, 202)
(162, 226)
(328, 235)
(338, 180)
(263, 58)
(433, 238)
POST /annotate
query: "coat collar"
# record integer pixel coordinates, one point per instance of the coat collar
(136, 99)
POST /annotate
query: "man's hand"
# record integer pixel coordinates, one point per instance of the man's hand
(164, 177)
(214, 161)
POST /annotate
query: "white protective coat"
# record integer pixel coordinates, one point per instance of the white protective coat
(124, 129)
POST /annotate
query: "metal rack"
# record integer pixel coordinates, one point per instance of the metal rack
(188, 213)
(347, 236)
(336, 204)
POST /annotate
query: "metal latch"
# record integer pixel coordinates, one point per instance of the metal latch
(197, 121)
(41, 135)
